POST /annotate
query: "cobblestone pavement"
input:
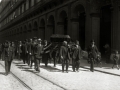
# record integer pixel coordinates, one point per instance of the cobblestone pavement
(52, 78)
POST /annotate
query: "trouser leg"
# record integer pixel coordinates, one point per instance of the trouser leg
(28, 58)
(92, 65)
(37, 64)
(6, 66)
(77, 64)
(67, 64)
(73, 64)
(63, 65)
(54, 62)
(9, 66)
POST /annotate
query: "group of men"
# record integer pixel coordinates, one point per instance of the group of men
(33, 51)
(30, 51)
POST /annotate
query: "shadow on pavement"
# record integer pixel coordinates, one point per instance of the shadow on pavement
(2, 73)
(22, 65)
(51, 69)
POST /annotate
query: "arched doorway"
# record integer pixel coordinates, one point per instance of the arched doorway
(50, 27)
(63, 23)
(105, 27)
(35, 29)
(42, 29)
(21, 34)
(29, 35)
(25, 32)
(79, 18)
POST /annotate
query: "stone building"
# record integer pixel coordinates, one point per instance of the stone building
(81, 19)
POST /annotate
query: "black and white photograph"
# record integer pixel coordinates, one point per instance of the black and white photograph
(59, 44)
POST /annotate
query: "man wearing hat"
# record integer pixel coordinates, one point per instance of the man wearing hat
(65, 56)
(92, 54)
(33, 44)
(38, 54)
(76, 57)
(8, 51)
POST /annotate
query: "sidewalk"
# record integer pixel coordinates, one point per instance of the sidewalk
(106, 68)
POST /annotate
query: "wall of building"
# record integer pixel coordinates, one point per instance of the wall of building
(78, 18)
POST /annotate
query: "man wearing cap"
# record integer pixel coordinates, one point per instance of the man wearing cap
(38, 54)
(65, 56)
(92, 54)
(76, 57)
(8, 51)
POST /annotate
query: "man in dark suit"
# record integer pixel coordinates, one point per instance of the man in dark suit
(19, 51)
(8, 51)
(92, 54)
(65, 56)
(76, 57)
(24, 52)
(29, 48)
(45, 53)
(38, 50)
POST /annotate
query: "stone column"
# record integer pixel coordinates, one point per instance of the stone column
(116, 25)
(95, 24)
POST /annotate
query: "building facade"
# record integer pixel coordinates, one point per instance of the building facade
(83, 20)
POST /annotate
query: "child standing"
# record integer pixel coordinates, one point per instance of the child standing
(115, 60)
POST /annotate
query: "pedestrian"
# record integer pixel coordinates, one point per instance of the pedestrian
(29, 49)
(64, 56)
(92, 54)
(45, 55)
(19, 51)
(107, 53)
(24, 52)
(13, 46)
(115, 60)
(38, 54)
(76, 57)
(33, 44)
(8, 51)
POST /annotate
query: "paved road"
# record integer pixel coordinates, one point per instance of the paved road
(9, 82)
(51, 78)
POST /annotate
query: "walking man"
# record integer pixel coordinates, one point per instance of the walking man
(92, 54)
(64, 55)
(8, 51)
(38, 54)
(76, 57)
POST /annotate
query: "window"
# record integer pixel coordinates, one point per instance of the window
(29, 3)
(24, 6)
(35, 1)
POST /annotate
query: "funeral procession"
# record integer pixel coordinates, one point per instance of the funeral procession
(59, 44)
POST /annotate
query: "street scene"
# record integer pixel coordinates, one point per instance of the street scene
(59, 44)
